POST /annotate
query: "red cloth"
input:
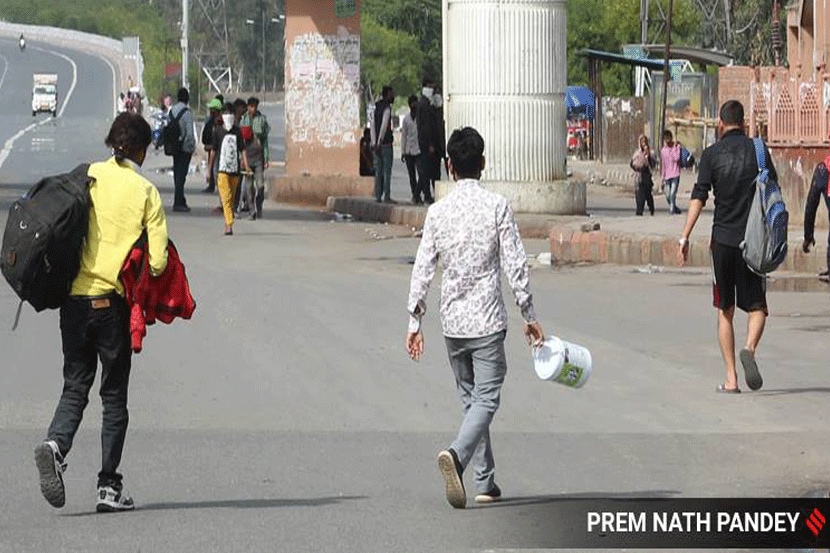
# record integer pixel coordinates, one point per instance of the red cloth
(150, 298)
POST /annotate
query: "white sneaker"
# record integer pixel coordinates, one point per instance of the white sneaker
(111, 500)
(51, 467)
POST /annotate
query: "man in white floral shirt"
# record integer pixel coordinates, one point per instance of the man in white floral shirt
(474, 234)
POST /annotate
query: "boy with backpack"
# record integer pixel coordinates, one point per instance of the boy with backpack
(95, 320)
(729, 169)
(228, 151)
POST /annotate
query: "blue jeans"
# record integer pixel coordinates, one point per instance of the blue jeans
(383, 172)
(671, 186)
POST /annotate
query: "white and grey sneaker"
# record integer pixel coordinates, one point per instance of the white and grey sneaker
(51, 467)
(111, 500)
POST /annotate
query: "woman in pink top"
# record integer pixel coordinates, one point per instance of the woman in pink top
(670, 170)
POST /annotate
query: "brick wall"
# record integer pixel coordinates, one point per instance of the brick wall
(733, 84)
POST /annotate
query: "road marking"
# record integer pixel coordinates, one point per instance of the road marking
(9, 145)
(74, 78)
(5, 69)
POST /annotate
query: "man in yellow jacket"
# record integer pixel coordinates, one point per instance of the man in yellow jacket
(95, 320)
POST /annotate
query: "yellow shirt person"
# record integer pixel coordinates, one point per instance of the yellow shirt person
(124, 203)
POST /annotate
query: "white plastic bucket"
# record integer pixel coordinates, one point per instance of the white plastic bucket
(559, 361)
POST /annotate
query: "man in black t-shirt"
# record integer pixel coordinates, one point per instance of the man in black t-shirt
(728, 169)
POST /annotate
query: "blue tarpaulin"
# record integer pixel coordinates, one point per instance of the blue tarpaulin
(579, 99)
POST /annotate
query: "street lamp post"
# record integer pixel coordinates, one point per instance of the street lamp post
(279, 19)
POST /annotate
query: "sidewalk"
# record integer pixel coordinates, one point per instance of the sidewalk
(611, 233)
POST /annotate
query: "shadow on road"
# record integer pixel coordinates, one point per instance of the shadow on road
(811, 390)
(560, 498)
(268, 214)
(240, 504)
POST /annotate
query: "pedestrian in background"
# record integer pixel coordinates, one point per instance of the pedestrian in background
(214, 117)
(255, 130)
(187, 145)
(670, 170)
(643, 162)
(410, 151)
(229, 148)
(382, 145)
(819, 189)
(428, 139)
(474, 234)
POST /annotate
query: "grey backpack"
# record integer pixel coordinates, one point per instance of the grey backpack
(765, 239)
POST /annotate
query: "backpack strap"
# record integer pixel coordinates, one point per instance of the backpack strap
(760, 158)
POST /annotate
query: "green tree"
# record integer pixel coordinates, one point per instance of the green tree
(418, 18)
(610, 24)
(389, 57)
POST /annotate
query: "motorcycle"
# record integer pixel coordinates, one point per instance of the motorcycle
(22, 44)
(159, 122)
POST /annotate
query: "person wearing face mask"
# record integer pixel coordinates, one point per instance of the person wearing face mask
(428, 139)
(229, 146)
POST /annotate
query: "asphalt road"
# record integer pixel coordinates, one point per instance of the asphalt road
(285, 416)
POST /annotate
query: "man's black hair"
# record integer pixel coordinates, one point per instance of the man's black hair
(667, 135)
(240, 103)
(220, 97)
(732, 113)
(466, 150)
(253, 101)
(183, 95)
(129, 134)
(428, 81)
(412, 99)
(385, 91)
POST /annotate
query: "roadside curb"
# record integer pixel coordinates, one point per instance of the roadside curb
(370, 211)
(570, 245)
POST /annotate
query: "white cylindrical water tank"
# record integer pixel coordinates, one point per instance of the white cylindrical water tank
(505, 71)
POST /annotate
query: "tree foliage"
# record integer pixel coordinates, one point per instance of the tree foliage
(608, 25)
(389, 57)
(111, 18)
(401, 44)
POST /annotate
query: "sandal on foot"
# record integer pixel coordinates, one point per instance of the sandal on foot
(751, 373)
(722, 389)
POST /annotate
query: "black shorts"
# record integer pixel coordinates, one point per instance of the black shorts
(732, 280)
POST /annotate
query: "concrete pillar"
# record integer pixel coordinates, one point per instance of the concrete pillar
(505, 70)
(322, 101)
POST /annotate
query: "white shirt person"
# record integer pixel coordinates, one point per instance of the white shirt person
(474, 234)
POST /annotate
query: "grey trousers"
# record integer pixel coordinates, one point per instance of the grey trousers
(479, 365)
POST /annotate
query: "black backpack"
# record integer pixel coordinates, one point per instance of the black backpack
(42, 244)
(172, 135)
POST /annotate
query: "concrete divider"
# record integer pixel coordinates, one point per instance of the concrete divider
(316, 189)
(570, 245)
(370, 211)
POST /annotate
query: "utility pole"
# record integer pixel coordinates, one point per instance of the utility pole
(666, 73)
(264, 50)
(641, 71)
(185, 50)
